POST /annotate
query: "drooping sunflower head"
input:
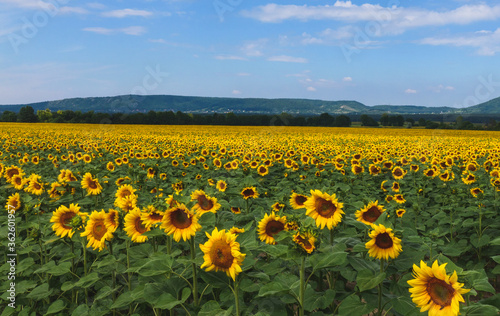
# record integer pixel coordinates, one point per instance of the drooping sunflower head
(180, 222)
(13, 202)
(222, 253)
(400, 212)
(221, 185)
(324, 208)
(236, 230)
(297, 200)
(204, 203)
(34, 185)
(433, 290)
(476, 192)
(235, 210)
(269, 226)
(91, 184)
(306, 241)
(249, 192)
(54, 192)
(383, 243)
(395, 186)
(134, 226)
(112, 219)
(370, 213)
(97, 231)
(62, 217)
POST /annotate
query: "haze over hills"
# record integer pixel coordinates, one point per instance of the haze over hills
(193, 104)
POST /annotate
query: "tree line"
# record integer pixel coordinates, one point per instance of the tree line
(27, 114)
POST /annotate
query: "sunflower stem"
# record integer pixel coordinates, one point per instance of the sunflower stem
(302, 288)
(195, 281)
(380, 289)
(331, 236)
(236, 298)
(85, 267)
(113, 276)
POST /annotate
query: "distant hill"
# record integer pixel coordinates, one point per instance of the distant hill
(193, 104)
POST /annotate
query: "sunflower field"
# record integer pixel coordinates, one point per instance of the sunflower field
(191, 220)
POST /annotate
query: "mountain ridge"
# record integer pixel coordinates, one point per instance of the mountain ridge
(209, 105)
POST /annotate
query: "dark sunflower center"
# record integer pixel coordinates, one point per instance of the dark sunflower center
(304, 242)
(12, 173)
(205, 204)
(19, 181)
(220, 254)
(156, 217)
(440, 292)
(300, 200)
(372, 214)
(37, 186)
(248, 192)
(180, 219)
(357, 169)
(98, 230)
(262, 170)
(274, 227)
(398, 172)
(66, 218)
(384, 241)
(14, 203)
(92, 184)
(139, 226)
(325, 208)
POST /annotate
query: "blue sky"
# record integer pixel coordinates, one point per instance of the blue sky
(430, 53)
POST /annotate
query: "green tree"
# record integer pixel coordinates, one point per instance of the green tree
(8, 116)
(27, 115)
(44, 115)
(342, 121)
(367, 120)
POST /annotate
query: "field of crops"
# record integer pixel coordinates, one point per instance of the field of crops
(191, 220)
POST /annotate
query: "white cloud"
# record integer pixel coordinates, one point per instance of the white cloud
(386, 20)
(254, 48)
(77, 10)
(236, 92)
(229, 57)
(51, 7)
(487, 43)
(159, 40)
(410, 91)
(126, 12)
(131, 30)
(287, 59)
(96, 5)
(441, 88)
(312, 89)
(347, 79)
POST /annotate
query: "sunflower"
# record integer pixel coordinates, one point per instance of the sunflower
(324, 208)
(400, 212)
(370, 213)
(374, 170)
(151, 173)
(395, 186)
(18, 182)
(222, 253)
(398, 173)
(433, 290)
(357, 169)
(383, 187)
(446, 176)
(469, 178)
(112, 219)
(110, 166)
(128, 203)
(383, 243)
(151, 216)
(124, 191)
(476, 192)
(221, 185)
(262, 170)
(134, 226)
(414, 168)
(61, 218)
(297, 200)
(236, 230)
(269, 226)
(34, 186)
(399, 198)
(236, 210)
(35, 160)
(97, 231)
(431, 173)
(204, 202)
(92, 185)
(181, 222)
(54, 193)
(13, 202)
(306, 241)
(250, 192)
(87, 158)
(12, 171)
(69, 176)
(277, 206)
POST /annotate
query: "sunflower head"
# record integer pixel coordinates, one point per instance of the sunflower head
(324, 208)
(221, 185)
(383, 243)
(62, 218)
(222, 253)
(435, 291)
(134, 226)
(297, 200)
(269, 226)
(204, 203)
(249, 192)
(305, 241)
(97, 231)
(180, 222)
(370, 213)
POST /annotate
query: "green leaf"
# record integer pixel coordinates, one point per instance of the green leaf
(82, 310)
(495, 242)
(336, 256)
(273, 288)
(56, 270)
(479, 280)
(40, 292)
(496, 258)
(318, 300)
(25, 285)
(405, 306)
(352, 306)
(88, 280)
(367, 280)
(105, 292)
(212, 308)
(479, 310)
(123, 300)
(56, 307)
